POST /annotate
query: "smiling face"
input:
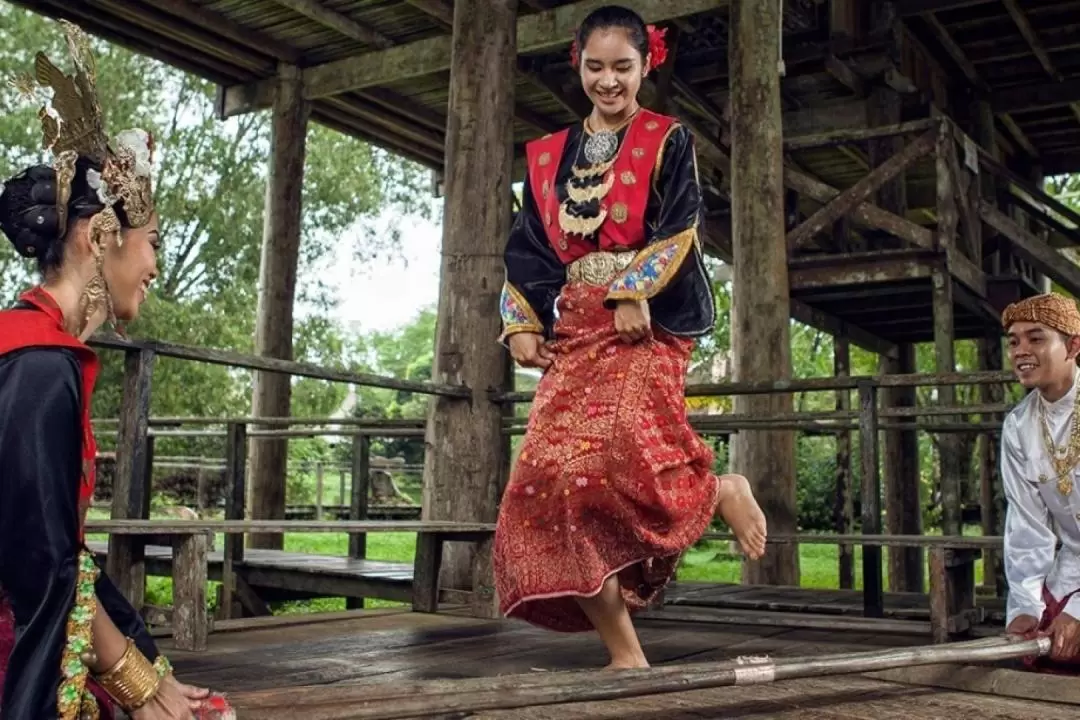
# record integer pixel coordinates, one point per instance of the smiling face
(131, 267)
(1042, 357)
(612, 69)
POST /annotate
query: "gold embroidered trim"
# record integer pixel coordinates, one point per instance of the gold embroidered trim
(73, 700)
(578, 225)
(660, 154)
(653, 267)
(593, 192)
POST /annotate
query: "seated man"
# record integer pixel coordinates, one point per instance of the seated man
(1040, 463)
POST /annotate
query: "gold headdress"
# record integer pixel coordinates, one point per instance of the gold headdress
(73, 126)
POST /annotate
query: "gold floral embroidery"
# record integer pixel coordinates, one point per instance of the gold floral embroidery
(545, 159)
(653, 267)
(619, 213)
(638, 152)
(628, 177)
(73, 700)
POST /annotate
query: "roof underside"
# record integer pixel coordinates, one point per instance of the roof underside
(1024, 57)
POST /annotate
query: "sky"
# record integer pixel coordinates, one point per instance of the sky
(388, 295)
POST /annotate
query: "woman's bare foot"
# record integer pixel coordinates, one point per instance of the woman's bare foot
(743, 515)
(628, 664)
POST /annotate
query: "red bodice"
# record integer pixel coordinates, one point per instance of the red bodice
(21, 329)
(625, 202)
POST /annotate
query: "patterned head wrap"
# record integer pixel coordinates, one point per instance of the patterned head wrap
(1052, 310)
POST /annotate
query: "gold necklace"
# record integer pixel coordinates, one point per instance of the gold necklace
(1064, 459)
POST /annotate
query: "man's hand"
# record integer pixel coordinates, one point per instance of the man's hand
(1065, 638)
(632, 320)
(529, 350)
(1023, 625)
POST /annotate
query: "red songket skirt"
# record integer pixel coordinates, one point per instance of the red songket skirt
(610, 478)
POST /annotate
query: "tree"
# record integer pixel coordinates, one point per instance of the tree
(209, 188)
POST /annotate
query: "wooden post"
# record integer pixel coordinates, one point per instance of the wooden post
(761, 301)
(903, 512)
(320, 478)
(944, 333)
(125, 563)
(991, 491)
(873, 598)
(844, 508)
(277, 283)
(463, 467)
(190, 621)
(235, 476)
(358, 505)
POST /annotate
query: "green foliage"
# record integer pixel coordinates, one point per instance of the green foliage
(209, 190)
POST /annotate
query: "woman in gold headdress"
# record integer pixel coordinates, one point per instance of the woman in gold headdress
(71, 646)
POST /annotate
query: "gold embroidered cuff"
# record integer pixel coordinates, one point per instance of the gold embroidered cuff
(517, 314)
(653, 268)
(132, 681)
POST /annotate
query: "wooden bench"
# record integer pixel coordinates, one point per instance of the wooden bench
(190, 540)
(953, 611)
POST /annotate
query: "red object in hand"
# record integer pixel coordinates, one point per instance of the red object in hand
(215, 707)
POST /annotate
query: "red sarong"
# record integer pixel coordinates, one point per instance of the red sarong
(611, 478)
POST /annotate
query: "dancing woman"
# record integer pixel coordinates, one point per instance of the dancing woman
(611, 485)
(71, 646)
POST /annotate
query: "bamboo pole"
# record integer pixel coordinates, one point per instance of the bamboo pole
(426, 698)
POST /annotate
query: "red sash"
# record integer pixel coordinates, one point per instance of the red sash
(20, 329)
(624, 228)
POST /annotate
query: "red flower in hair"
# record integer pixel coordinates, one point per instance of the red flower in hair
(658, 51)
(575, 53)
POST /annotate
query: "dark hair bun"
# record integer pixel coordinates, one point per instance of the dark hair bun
(28, 210)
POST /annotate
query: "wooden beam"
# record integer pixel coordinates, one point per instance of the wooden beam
(841, 137)
(847, 77)
(911, 8)
(315, 10)
(543, 31)
(229, 29)
(865, 214)
(857, 194)
(1032, 38)
(1041, 256)
(1030, 96)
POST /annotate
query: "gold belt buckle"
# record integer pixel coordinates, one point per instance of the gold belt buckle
(599, 268)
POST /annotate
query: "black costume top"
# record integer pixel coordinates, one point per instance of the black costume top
(47, 574)
(680, 295)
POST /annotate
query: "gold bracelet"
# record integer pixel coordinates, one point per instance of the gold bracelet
(132, 681)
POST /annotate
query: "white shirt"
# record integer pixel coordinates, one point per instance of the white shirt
(1037, 516)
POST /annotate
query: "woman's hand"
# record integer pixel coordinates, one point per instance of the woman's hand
(632, 320)
(168, 703)
(196, 696)
(530, 350)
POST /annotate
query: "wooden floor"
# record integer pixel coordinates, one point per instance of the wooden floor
(390, 646)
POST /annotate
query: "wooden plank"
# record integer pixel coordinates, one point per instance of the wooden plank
(236, 475)
(189, 619)
(1041, 256)
(858, 193)
(337, 21)
(539, 32)
(843, 508)
(999, 682)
